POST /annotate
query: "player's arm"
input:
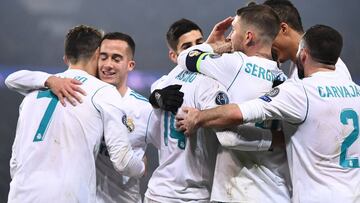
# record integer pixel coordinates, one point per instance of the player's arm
(288, 102)
(25, 81)
(200, 58)
(248, 138)
(109, 103)
(153, 129)
(244, 138)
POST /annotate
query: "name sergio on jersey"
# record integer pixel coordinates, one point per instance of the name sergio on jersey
(339, 91)
(259, 72)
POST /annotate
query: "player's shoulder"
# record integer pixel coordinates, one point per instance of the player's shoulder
(136, 97)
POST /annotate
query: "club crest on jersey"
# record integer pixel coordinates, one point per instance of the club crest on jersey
(275, 91)
(194, 53)
(129, 123)
(221, 98)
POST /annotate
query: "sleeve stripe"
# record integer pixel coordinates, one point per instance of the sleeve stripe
(201, 57)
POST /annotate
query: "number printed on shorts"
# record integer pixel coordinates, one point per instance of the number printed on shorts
(169, 129)
(345, 116)
(44, 123)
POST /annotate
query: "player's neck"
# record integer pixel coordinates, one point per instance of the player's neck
(87, 67)
(122, 88)
(314, 67)
(262, 52)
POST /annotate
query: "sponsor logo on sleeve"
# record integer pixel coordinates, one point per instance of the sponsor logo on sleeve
(221, 98)
(265, 98)
(275, 91)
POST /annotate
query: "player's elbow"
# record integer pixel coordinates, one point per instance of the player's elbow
(128, 164)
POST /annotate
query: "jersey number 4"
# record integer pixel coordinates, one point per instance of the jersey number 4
(44, 123)
(170, 130)
(345, 116)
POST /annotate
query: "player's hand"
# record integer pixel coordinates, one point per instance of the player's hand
(169, 98)
(65, 88)
(218, 32)
(186, 121)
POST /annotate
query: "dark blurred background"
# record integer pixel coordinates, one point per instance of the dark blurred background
(32, 34)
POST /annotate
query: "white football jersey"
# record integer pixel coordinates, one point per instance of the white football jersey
(186, 164)
(112, 186)
(324, 151)
(53, 156)
(255, 175)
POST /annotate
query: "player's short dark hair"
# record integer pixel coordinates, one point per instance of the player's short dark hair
(324, 44)
(287, 13)
(123, 37)
(263, 18)
(177, 29)
(81, 43)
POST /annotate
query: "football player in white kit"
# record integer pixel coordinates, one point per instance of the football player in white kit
(53, 157)
(287, 41)
(186, 165)
(115, 62)
(324, 152)
(241, 176)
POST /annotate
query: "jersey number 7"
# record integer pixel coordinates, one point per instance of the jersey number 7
(44, 123)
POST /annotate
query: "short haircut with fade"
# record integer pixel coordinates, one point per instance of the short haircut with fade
(123, 37)
(81, 43)
(263, 18)
(287, 13)
(177, 29)
(324, 44)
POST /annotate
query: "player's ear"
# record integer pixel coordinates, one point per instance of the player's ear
(249, 39)
(131, 65)
(173, 56)
(304, 55)
(66, 60)
(284, 28)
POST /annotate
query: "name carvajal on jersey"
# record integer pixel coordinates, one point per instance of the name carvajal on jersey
(338, 91)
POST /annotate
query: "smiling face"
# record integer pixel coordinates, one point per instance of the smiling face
(115, 62)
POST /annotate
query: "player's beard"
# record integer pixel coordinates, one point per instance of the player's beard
(300, 68)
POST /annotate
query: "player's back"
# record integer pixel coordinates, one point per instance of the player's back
(186, 164)
(259, 176)
(55, 147)
(324, 152)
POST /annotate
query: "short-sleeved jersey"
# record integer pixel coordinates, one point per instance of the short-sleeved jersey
(186, 164)
(53, 156)
(112, 186)
(340, 68)
(324, 151)
(243, 176)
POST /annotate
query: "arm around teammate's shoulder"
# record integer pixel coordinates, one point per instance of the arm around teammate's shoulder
(25, 81)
